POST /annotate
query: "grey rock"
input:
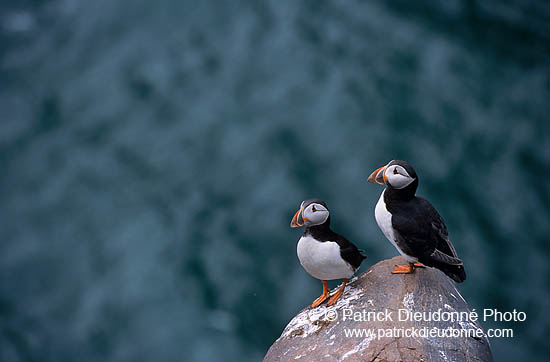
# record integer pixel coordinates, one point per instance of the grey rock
(319, 334)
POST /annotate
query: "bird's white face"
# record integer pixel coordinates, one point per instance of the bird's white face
(397, 177)
(314, 214)
(310, 215)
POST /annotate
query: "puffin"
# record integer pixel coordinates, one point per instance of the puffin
(412, 224)
(324, 254)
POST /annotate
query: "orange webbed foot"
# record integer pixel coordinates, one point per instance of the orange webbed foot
(338, 294)
(317, 302)
(403, 269)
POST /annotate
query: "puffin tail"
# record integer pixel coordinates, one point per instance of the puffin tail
(455, 272)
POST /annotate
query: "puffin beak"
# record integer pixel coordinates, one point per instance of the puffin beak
(297, 220)
(378, 176)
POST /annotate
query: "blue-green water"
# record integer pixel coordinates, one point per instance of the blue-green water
(153, 153)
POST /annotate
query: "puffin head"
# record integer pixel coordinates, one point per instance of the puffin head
(396, 175)
(312, 212)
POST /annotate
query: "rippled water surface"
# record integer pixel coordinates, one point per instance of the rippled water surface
(153, 153)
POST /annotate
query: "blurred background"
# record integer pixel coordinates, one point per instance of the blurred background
(153, 154)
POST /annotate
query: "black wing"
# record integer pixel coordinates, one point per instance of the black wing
(349, 251)
(413, 233)
(421, 232)
(444, 250)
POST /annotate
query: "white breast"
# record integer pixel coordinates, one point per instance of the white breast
(322, 260)
(383, 219)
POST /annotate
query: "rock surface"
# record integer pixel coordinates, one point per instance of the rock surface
(319, 334)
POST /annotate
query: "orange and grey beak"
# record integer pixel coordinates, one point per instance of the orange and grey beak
(378, 176)
(297, 220)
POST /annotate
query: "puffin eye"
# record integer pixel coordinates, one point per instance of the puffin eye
(313, 208)
(395, 171)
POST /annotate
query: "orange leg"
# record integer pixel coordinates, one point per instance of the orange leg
(337, 295)
(317, 302)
